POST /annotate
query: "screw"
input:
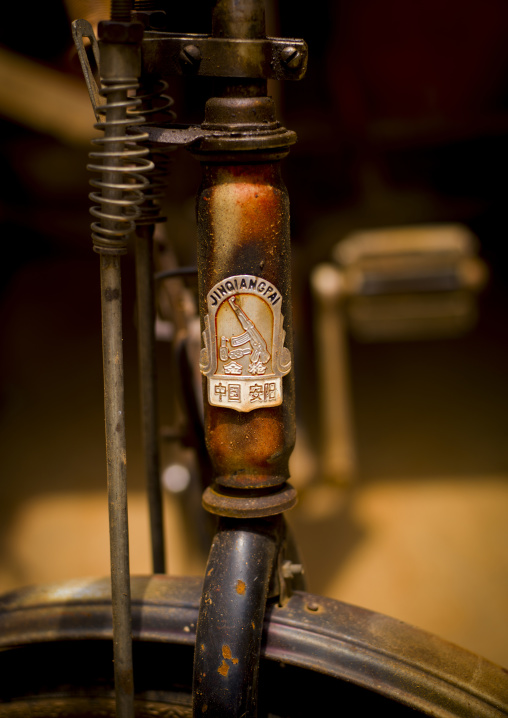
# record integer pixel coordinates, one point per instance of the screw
(312, 606)
(190, 56)
(291, 57)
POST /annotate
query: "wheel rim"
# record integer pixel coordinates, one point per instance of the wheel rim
(319, 638)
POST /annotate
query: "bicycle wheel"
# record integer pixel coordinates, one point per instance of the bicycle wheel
(319, 656)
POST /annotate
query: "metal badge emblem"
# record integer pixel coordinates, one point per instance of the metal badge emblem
(244, 356)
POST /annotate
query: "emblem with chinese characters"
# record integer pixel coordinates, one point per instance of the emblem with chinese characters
(244, 357)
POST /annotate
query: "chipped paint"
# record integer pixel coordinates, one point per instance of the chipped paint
(223, 669)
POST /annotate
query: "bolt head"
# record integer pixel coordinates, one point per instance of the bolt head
(291, 57)
(190, 56)
(313, 606)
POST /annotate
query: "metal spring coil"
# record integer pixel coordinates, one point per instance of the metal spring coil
(154, 103)
(118, 202)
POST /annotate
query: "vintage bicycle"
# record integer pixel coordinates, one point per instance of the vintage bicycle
(248, 639)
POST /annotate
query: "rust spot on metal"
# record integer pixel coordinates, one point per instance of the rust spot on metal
(227, 656)
(111, 294)
(223, 669)
(240, 587)
(262, 461)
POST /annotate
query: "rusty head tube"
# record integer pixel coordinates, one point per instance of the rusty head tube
(245, 289)
(245, 294)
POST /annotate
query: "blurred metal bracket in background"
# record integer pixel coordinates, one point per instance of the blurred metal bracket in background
(394, 284)
(417, 282)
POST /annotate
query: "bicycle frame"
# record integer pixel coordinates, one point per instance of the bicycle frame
(245, 309)
(249, 419)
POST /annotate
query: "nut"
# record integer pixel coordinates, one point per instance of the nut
(115, 31)
(151, 19)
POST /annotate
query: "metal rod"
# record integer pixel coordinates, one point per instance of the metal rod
(148, 389)
(119, 68)
(114, 410)
(233, 19)
(116, 459)
(338, 456)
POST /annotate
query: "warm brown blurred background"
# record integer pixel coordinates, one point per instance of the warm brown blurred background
(402, 120)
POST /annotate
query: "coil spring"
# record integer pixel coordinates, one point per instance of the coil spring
(118, 200)
(155, 107)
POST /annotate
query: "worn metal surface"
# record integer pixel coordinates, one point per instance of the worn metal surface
(117, 206)
(92, 707)
(82, 29)
(116, 461)
(145, 302)
(202, 139)
(233, 602)
(350, 645)
(245, 311)
(154, 105)
(232, 124)
(249, 504)
(166, 54)
(243, 228)
(244, 20)
(237, 48)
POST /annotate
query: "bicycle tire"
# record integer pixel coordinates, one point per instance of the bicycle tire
(319, 656)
